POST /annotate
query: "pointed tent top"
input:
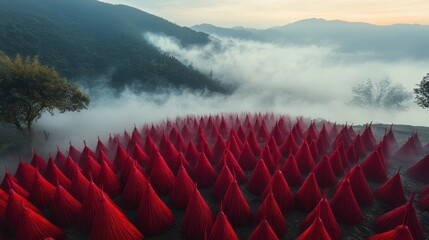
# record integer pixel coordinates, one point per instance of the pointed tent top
(391, 192)
(263, 231)
(315, 231)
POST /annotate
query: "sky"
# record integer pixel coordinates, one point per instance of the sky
(269, 13)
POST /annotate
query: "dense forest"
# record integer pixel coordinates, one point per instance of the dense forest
(87, 40)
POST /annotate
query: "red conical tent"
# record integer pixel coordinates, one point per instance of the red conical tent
(181, 161)
(235, 206)
(134, 189)
(42, 193)
(153, 216)
(368, 139)
(324, 174)
(308, 194)
(324, 212)
(111, 224)
(247, 159)
(170, 154)
(192, 154)
(259, 178)
(304, 159)
(424, 191)
(222, 183)
(25, 175)
(9, 183)
(344, 205)
(263, 231)
(74, 153)
(219, 147)
(71, 168)
(65, 210)
(38, 162)
(291, 172)
(275, 152)
(263, 133)
(408, 151)
(391, 192)
(315, 232)
(374, 168)
(120, 156)
(102, 157)
(31, 225)
(234, 167)
(161, 177)
(419, 170)
(253, 143)
(90, 207)
(336, 163)
(281, 191)
(343, 154)
(222, 229)
(91, 169)
(100, 147)
(140, 156)
(86, 153)
(233, 146)
(198, 218)
(424, 203)
(289, 146)
(79, 186)
(204, 173)
(183, 187)
(108, 181)
(60, 159)
(314, 151)
(352, 155)
(55, 176)
(399, 233)
(268, 158)
(396, 217)
(270, 211)
(15, 204)
(360, 187)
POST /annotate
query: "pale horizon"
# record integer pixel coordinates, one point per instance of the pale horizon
(271, 13)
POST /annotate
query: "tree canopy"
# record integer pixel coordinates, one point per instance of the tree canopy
(422, 92)
(29, 88)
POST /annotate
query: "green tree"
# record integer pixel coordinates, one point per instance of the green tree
(29, 88)
(422, 92)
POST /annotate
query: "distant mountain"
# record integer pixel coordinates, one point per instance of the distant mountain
(370, 41)
(86, 40)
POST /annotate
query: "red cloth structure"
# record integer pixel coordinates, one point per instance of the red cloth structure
(161, 177)
(281, 191)
(324, 174)
(398, 233)
(222, 183)
(79, 185)
(361, 190)
(42, 193)
(308, 194)
(259, 178)
(204, 173)
(304, 159)
(235, 206)
(183, 188)
(344, 205)
(222, 229)
(316, 231)
(291, 172)
(391, 192)
(134, 189)
(270, 211)
(263, 231)
(32, 225)
(65, 210)
(420, 169)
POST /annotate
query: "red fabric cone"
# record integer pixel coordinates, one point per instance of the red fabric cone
(424, 191)
(241, 133)
(42, 193)
(55, 176)
(373, 168)
(86, 153)
(316, 231)
(399, 233)
(111, 224)
(308, 194)
(424, 203)
(90, 207)
(391, 136)
(120, 156)
(368, 139)
(278, 135)
(263, 231)
(25, 175)
(263, 133)
(419, 170)
(360, 187)
(336, 163)
(204, 173)
(100, 147)
(324, 212)
(126, 168)
(352, 155)
(153, 216)
(91, 169)
(304, 159)
(79, 186)
(161, 177)
(222, 183)
(407, 152)
(233, 146)
(289, 146)
(9, 184)
(3, 206)
(324, 174)
(253, 143)
(270, 211)
(192, 154)
(222, 229)
(74, 153)
(391, 192)
(396, 217)
(281, 191)
(314, 151)
(60, 160)
(71, 168)
(38, 162)
(344, 205)
(170, 155)
(140, 156)
(219, 147)
(259, 179)
(235, 206)
(275, 152)
(15, 204)
(108, 181)
(134, 189)
(247, 159)
(31, 225)
(198, 218)
(343, 154)
(102, 157)
(66, 210)
(183, 187)
(268, 158)
(234, 167)
(291, 172)
(181, 161)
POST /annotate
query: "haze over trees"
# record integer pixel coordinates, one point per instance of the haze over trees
(422, 92)
(29, 88)
(377, 94)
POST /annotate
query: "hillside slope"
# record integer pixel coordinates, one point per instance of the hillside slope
(87, 40)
